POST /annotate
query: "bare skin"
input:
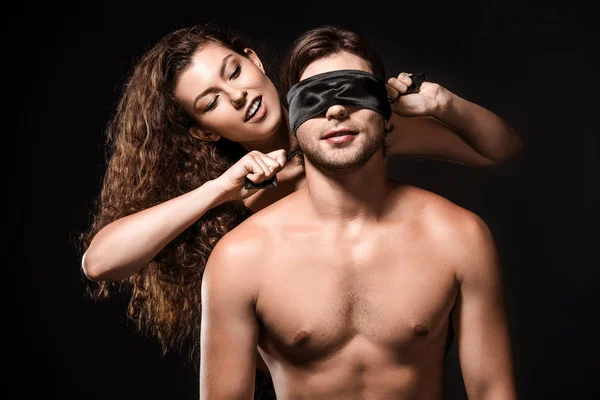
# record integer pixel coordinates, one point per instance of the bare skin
(434, 123)
(347, 285)
(364, 313)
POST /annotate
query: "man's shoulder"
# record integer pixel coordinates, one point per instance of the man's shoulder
(243, 241)
(442, 217)
(233, 263)
(458, 235)
(253, 236)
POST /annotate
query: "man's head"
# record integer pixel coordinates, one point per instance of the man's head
(338, 104)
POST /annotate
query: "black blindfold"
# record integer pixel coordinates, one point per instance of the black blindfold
(353, 88)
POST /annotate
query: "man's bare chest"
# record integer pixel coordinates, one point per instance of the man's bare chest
(319, 296)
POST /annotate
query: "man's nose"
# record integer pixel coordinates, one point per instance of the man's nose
(238, 98)
(337, 112)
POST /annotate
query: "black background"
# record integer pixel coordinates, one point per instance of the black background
(531, 64)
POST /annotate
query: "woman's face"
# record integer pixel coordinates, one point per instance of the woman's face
(229, 95)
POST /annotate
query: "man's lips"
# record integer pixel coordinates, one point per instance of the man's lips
(338, 132)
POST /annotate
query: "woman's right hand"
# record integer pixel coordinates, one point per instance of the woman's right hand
(126, 245)
(255, 166)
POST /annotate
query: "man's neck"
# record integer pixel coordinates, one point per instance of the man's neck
(348, 194)
(282, 138)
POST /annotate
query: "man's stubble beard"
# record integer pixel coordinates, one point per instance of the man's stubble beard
(343, 158)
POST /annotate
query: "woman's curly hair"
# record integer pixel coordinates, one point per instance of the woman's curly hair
(151, 158)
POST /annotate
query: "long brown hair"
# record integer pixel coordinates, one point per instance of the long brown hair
(152, 158)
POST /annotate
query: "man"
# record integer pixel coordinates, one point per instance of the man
(349, 286)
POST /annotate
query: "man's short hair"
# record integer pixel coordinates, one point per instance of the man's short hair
(322, 42)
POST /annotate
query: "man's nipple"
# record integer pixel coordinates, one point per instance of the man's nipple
(420, 330)
(301, 338)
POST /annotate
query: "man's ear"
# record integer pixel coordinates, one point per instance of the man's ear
(389, 126)
(254, 58)
(203, 135)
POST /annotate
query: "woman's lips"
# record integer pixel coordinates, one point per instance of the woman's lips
(262, 110)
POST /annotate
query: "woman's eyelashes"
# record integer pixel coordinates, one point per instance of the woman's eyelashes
(236, 72)
(211, 106)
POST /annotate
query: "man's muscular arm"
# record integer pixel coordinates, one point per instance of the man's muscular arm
(229, 331)
(479, 316)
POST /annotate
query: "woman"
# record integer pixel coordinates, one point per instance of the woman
(197, 117)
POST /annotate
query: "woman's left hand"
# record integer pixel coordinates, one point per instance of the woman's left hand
(423, 102)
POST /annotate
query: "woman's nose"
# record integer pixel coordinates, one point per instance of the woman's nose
(238, 98)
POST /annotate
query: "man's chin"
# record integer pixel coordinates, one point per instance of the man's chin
(333, 164)
(346, 157)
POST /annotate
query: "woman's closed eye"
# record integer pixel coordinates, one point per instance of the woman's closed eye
(211, 106)
(236, 72)
(215, 102)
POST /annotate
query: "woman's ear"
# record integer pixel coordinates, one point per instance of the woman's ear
(254, 58)
(203, 135)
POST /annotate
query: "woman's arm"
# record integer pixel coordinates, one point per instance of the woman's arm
(436, 123)
(128, 244)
